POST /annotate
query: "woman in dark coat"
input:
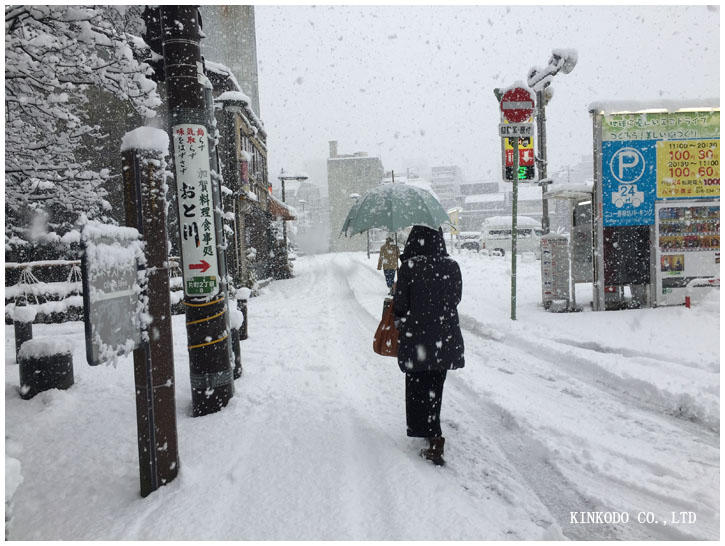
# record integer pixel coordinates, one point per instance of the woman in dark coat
(430, 342)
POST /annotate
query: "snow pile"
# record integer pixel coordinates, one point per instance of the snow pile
(146, 138)
(236, 318)
(44, 346)
(24, 314)
(60, 290)
(13, 478)
(243, 293)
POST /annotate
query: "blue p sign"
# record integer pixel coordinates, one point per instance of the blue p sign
(627, 165)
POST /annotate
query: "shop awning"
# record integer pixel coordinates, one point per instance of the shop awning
(279, 210)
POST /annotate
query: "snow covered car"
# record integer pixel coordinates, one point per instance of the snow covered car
(470, 240)
(496, 235)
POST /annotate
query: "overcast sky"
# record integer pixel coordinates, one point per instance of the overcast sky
(414, 84)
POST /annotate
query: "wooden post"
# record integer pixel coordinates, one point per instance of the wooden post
(145, 200)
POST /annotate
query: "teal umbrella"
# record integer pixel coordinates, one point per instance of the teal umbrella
(394, 207)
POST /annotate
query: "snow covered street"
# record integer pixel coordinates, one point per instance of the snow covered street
(553, 414)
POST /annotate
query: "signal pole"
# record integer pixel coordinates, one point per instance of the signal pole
(212, 382)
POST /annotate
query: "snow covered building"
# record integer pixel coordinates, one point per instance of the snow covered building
(243, 162)
(480, 200)
(348, 176)
(446, 181)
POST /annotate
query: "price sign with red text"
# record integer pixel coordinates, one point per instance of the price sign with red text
(688, 168)
(196, 210)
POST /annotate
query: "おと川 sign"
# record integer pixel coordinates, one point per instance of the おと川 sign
(196, 210)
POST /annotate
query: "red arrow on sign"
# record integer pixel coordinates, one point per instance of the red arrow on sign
(204, 265)
(517, 105)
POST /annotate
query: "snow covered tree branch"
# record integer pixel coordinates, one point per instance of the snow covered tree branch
(53, 56)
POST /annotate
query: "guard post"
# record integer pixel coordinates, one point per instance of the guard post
(205, 301)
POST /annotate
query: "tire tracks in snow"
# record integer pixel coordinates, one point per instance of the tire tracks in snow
(583, 369)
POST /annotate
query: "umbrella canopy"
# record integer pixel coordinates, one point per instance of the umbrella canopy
(394, 207)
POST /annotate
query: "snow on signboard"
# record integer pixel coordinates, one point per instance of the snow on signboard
(112, 288)
(196, 211)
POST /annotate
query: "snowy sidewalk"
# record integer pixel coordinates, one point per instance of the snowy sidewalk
(313, 445)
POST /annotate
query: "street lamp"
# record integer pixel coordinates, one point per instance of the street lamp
(562, 60)
(282, 177)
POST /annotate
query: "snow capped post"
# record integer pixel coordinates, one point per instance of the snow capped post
(144, 173)
(212, 382)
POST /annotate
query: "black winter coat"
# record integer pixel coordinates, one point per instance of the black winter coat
(426, 296)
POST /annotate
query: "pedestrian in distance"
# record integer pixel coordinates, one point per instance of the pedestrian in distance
(388, 261)
(430, 343)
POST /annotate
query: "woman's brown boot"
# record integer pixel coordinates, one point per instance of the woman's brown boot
(435, 452)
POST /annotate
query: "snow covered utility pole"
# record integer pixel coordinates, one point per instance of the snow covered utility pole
(212, 382)
(539, 80)
(516, 106)
(142, 155)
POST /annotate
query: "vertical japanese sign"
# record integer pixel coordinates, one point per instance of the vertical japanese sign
(196, 210)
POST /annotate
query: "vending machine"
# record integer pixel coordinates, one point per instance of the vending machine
(687, 247)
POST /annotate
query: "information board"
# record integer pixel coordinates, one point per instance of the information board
(648, 156)
(196, 211)
(112, 287)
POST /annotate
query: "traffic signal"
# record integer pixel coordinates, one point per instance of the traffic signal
(526, 172)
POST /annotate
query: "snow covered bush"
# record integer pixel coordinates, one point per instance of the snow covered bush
(55, 57)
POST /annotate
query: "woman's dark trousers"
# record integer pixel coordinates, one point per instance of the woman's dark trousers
(423, 395)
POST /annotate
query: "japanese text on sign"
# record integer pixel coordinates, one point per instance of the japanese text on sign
(196, 211)
(688, 168)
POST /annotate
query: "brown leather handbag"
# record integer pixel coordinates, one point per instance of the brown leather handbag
(385, 341)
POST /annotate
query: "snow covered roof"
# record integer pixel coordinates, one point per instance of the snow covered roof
(485, 198)
(280, 209)
(581, 191)
(234, 95)
(506, 220)
(222, 70)
(653, 106)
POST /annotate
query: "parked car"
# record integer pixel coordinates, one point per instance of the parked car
(470, 240)
(496, 235)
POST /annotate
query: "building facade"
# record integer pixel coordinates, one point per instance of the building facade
(445, 181)
(348, 176)
(243, 162)
(233, 43)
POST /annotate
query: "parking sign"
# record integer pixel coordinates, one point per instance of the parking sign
(629, 182)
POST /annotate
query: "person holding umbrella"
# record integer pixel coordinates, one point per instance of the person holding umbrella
(430, 342)
(388, 260)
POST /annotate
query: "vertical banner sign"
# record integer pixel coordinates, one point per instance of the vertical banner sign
(196, 212)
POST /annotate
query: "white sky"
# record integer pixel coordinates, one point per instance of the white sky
(414, 84)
